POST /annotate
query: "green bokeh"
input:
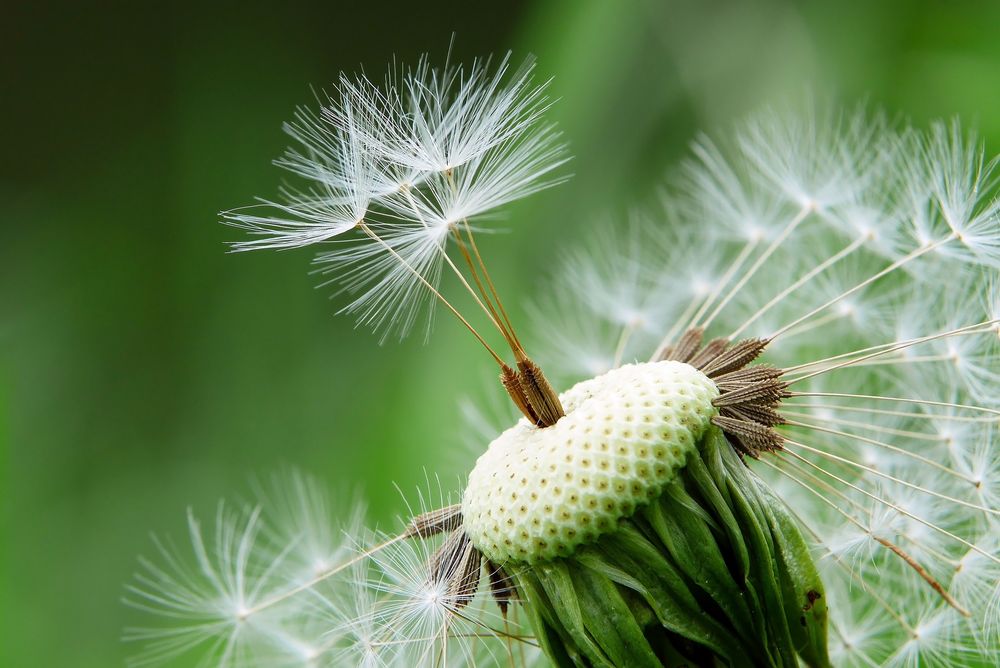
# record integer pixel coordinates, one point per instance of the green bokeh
(143, 369)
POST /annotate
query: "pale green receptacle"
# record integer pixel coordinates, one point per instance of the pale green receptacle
(540, 493)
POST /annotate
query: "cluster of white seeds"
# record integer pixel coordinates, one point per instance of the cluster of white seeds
(539, 493)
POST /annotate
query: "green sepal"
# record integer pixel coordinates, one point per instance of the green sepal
(807, 618)
(610, 621)
(763, 564)
(552, 638)
(693, 547)
(697, 472)
(558, 585)
(665, 591)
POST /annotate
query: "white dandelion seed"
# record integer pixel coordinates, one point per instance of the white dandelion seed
(437, 119)
(397, 172)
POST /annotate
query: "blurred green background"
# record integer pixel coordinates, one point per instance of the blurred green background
(143, 369)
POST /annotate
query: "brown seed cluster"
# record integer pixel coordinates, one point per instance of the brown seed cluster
(749, 396)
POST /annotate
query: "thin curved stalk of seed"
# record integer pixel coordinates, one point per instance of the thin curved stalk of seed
(520, 646)
(496, 311)
(858, 652)
(325, 575)
(880, 444)
(367, 230)
(915, 565)
(494, 633)
(723, 281)
(923, 250)
(759, 262)
(897, 508)
(815, 324)
(489, 283)
(898, 551)
(818, 269)
(943, 417)
(682, 320)
(907, 400)
(880, 429)
(507, 644)
(491, 309)
(685, 321)
(528, 640)
(822, 484)
(852, 503)
(899, 345)
(891, 478)
(447, 258)
(905, 556)
(500, 319)
(902, 554)
(918, 359)
(443, 656)
(883, 603)
(623, 340)
(978, 328)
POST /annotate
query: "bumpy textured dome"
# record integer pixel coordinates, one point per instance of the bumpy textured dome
(538, 493)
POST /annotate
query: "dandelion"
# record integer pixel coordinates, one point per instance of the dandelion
(777, 442)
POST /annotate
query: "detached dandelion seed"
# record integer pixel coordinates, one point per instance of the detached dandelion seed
(777, 445)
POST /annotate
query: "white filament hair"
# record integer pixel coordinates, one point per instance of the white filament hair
(231, 598)
(341, 175)
(393, 170)
(436, 119)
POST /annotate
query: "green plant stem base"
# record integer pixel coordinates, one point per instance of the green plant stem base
(712, 573)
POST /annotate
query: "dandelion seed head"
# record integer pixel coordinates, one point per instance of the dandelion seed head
(830, 277)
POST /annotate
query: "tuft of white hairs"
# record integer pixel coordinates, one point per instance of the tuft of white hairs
(393, 170)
